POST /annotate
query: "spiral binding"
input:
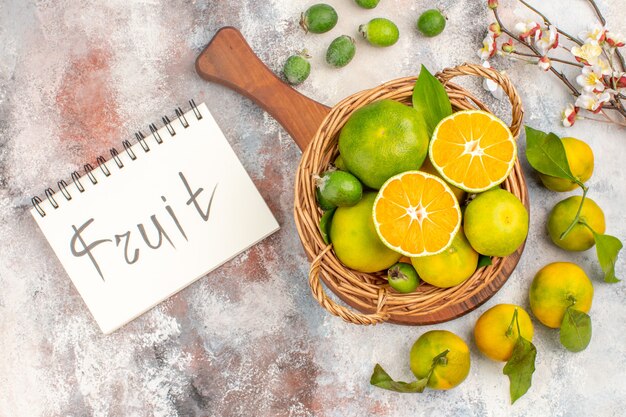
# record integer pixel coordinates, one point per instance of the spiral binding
(63, 186)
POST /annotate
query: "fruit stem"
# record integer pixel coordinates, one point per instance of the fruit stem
(319, 181)
(580, 207)
(437, 360)
(363, 30)
(584, 223)
(509, 331)
(395, 273)
(572, 300)
(303, 23)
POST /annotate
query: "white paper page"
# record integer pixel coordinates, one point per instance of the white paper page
(120, 276)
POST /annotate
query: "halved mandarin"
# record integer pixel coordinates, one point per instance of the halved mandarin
(416, 214)
(473, 150)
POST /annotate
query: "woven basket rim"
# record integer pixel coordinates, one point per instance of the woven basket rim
(369, 298)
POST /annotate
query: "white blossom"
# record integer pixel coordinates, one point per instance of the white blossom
(544, 63)
(615, 40)
(596, 34)
(489, 47)
(588, 53)
(549, 40)
(591, 79)
(592, 101)
(568, 116)
(604, 66)
(491, 86)
(529, 30)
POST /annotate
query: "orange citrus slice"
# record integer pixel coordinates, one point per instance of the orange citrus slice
(416, 214)
(473, 150)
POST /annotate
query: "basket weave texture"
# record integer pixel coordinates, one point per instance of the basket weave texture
(369, 295)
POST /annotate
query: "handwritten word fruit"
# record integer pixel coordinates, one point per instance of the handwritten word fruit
(134, 242)
(416, 214)
(380, 32)
(450, 267)
(473, 150)
(431, 23)
(319, 18)
(439, 360)
(403, 278)
(580, 237)
(297, 68)
(355, 240)
(496, 223)
(383, 139)
(339, 188)
(580, 160)
(340, 51)
(495, 331)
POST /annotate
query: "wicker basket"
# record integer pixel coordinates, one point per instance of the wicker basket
(370, 294)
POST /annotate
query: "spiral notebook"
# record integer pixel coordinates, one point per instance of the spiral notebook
(159, 214)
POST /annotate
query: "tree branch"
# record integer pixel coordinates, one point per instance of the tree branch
(559, 74)
(548, 23)
(602, 20)
(575, 64)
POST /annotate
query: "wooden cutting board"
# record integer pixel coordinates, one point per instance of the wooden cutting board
(229, 60)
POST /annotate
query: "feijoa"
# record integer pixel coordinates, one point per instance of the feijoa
(431, 23)
(380, 32)
(322, 202)
(297, 68)
(339, 188)
(319, 18)
(403, 278)
(340, 51)
(367, 4)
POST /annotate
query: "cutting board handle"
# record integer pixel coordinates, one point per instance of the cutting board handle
(229, 60)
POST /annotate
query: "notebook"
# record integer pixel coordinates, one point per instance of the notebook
(157, 215)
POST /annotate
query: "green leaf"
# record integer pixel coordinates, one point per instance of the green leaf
(430, 100)
(325, 221)
(520, 368)
(484, 260)
(575, 330)
(381, 379)
(607, 248)
(546, 154)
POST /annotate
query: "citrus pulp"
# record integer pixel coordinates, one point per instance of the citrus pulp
(473, 150)
(416, 214)
(450, 267)
(428, 167)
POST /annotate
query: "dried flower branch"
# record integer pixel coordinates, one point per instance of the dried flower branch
(601, 83)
